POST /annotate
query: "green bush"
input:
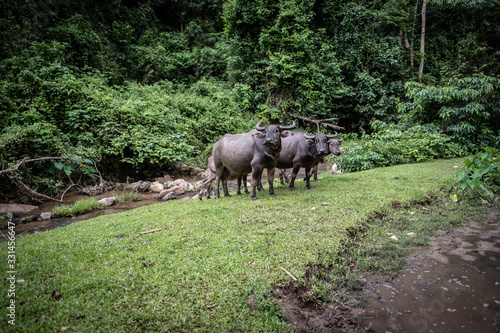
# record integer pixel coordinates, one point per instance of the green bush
(395, 146)
(481, 178)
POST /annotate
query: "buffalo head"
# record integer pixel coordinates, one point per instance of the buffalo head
(334, 145)
(272, 134)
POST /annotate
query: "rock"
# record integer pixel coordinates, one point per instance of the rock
(107, 201)
(46, 216)
(156, 187)
(411, 234)
(324, 204)
(188, 187)
(334, 168)
(181, 167)
(30, 218)
(178, 190)
(169, 196)
(394, 238)
(16, 208)
(198, 185)
(140, 186)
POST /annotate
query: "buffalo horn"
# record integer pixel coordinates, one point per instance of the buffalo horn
(292, 126)
(331, 136)
(258, 127)
(309, 136)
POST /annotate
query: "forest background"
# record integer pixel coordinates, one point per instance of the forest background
(123, 89)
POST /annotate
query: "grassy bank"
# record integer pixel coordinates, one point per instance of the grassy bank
(198, 273)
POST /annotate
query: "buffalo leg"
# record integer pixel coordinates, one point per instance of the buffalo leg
(245, 184)
(270, 180)
(315, 172)
(225, 177)
(308, 179)
(259, 185)
(295, 171)
(256, 174)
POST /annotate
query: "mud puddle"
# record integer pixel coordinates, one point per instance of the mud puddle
(453, 285)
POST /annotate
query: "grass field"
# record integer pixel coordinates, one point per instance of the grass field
(197, 274)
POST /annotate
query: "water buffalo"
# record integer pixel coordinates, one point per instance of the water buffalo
(333, 148)
(246, 153)
(207, 182)
(302, 150)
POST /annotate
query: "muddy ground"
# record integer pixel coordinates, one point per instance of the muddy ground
(452, 285)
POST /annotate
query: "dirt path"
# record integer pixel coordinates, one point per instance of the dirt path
(453, 285)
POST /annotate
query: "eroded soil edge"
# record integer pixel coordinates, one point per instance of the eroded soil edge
(452, 285)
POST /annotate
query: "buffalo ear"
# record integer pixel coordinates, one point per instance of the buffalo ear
(309, 142)
(259, 135)
(284, 134)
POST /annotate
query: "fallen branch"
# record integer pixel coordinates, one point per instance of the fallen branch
(289, 274)
(25, 188)
(318, 122)
(150, 231)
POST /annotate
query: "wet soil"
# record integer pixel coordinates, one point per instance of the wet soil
(452, 285)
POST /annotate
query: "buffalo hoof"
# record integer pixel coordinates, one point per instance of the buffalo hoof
(273, 194)
(292, 188)
(227, 195)
(310, 187)
(238, 193)
(255, 198)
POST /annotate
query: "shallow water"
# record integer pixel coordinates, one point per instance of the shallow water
(451, 286)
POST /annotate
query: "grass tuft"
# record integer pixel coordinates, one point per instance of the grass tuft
(78, 208)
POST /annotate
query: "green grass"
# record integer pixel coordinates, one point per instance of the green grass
(127, 196)
(197, 274)
(77, 208)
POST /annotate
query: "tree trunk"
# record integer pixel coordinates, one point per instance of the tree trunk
(422, 42)
(413, 34)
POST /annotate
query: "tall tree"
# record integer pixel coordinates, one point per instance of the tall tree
(422, 42)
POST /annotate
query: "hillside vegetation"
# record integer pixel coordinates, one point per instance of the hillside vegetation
(126, 88)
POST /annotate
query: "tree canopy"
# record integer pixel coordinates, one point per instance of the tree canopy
(136, 85)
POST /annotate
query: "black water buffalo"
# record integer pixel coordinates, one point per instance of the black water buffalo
(246, 153)
(207, 182)
(333, 148)
(302, 150)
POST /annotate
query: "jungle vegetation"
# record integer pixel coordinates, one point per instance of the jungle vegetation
(124, 88)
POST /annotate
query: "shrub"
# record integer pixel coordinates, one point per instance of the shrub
(481, 178)
(395, 146)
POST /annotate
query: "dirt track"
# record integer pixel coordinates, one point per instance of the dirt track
(452, 285)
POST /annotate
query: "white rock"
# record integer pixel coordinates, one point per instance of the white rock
(411, 234)
(188, 187)
(394, 238)
(156, 187)
(170, 196)
(46, 215)
(334, 168)
(107, 201)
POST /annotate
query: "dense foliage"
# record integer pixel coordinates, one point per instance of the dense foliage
(135, 85)
(394, 145)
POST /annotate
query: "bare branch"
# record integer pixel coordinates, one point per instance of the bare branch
(28, 190)
(28, 160)
(322, 122)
